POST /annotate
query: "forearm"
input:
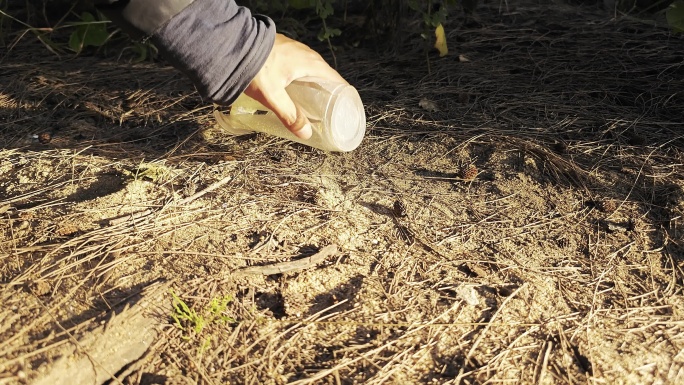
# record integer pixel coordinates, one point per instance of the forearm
(141, 18)
(219, 45)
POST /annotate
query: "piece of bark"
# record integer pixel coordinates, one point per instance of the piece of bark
(99, 354)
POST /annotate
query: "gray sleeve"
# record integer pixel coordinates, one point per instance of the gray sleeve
(217, 44)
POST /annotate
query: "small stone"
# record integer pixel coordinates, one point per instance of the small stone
(468, 294)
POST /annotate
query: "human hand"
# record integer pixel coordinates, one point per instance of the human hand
(289, 60)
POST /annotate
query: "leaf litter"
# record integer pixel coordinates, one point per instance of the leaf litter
(513, 271)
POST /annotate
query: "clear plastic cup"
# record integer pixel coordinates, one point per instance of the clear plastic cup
(335, 111)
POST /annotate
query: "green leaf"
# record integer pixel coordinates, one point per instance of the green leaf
(89, 32)
(205, 345)
(154, 172)
(180, 306)
(327, 33)
(675, 16)
(76, 41)
(438, 17)
(415, 5)
(141, 50)
(87, 17)
(95, 35)
(324, 9)
(199, 322)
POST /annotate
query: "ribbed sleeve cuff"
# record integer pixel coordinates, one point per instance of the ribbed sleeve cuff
(218, 45)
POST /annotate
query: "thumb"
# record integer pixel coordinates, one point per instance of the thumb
(289, 114)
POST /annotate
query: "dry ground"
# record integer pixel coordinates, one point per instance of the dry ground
(561, 261)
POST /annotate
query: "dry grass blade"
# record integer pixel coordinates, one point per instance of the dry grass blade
(528, 230)
(372, 352)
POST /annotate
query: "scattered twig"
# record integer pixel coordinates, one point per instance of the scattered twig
(209, 189)
(185, 201)
(290, 266)
(130, 217)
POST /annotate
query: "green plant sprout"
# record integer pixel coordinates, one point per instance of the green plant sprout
(431, 18)
(153, 172)
(217, 307)
(323, 9)
(88, 32)
(184, 315)
(142, 50)
(188, 319)
(675, 16)
(433, 21)
(205, 345)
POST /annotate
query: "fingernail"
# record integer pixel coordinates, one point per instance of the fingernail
(305, 132)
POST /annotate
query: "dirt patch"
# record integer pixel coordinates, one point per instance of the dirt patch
(526, 229)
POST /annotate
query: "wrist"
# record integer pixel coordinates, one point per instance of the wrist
(219, 45)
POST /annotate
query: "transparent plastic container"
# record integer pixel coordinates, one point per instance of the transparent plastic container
(335, 111)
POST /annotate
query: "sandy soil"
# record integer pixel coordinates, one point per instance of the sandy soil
(525, 228)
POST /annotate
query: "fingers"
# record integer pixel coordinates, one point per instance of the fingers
(289, 60)
(289, 114)
(313, 64)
